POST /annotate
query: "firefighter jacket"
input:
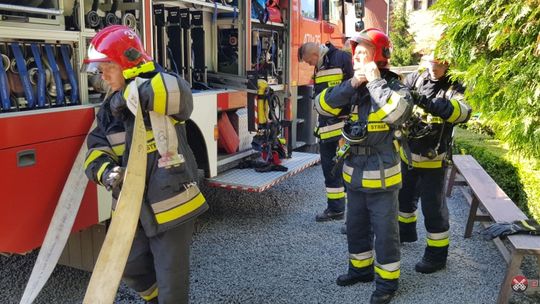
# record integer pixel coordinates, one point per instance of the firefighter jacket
(336, 67)
(445, 108)
(381, 106)
(171, 195)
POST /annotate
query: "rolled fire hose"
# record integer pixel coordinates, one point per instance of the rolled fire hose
(93, 20)
(38, 75)
(23, 75)
(4, 84)
(6, 63)
(110, 17)
(130, 21)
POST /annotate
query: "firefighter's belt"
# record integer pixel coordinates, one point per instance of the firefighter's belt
(367, 150)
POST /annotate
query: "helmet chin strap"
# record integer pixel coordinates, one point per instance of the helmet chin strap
(140, 69)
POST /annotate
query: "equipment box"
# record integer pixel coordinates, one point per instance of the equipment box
(35, 160)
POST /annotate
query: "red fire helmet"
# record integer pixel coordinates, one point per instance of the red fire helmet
(376, 39)
(116, 43)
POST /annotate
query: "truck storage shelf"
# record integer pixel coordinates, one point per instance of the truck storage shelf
(253, 181)
(270, 23)
(277, 87)
(207, 6)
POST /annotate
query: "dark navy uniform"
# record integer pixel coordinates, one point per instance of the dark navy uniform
(372, 174)
(439, 109)
(336, 67)
(158, 264)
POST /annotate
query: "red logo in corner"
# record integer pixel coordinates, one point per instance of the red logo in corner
(519, 284)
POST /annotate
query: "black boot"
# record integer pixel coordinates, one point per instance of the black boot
(379, 297)
(425, 266)
(350, 279)
(328, 215)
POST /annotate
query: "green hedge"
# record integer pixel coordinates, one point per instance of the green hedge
(519, 177)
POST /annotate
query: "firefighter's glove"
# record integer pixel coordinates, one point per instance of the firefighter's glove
(113, 178)
(421, 100)
(504, 228)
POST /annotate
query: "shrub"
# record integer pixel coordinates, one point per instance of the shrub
(494, 46)
(519, 177)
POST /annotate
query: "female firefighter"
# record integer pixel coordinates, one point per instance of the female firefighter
(158, 264)
(372, 170)
(439, 105)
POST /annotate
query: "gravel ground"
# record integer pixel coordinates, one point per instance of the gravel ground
(267, 248)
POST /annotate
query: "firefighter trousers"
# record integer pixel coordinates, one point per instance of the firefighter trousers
(159, 266)
(429, 185)
(335, 192)
(373, 216)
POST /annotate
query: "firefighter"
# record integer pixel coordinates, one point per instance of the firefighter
(158, 264)
(372, 170)
(439, 105)
(332, 66)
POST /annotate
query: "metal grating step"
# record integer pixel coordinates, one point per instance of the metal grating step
(252, 181)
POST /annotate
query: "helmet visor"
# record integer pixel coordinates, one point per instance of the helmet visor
(91, 68)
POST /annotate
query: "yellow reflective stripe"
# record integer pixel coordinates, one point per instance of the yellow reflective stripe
(376, 174)
(377, 183)
(93, 156)
(378, 127)
(460, 112)
(456, 113)
(149, 135)
(149, 296)
(174, 121)
(332, 84)
(335, 195)
(392, 110)
(328, 78)
(330, 134)
(388, 275)
(181, 210)
(407, 220)
(160, 94)
(126, 92)
(100, 171)
(346, 177)
(431, 164)
(524, 223)
(362, 263)
(438, 243)
(326, 107)
(347, 173)
(151, 146)
(119, 149)
(434, 119)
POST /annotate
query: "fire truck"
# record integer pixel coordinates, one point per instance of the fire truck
(223, 48)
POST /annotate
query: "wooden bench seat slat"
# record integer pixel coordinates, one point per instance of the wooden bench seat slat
(525, 243)
(484, 192)
(503, 210)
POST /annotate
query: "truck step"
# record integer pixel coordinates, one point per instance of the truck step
(253, 181)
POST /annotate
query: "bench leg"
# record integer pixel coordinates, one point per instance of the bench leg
(451, 179)
(512, 270)
(472, 217)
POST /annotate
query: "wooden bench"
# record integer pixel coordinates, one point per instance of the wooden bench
(495, 206)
